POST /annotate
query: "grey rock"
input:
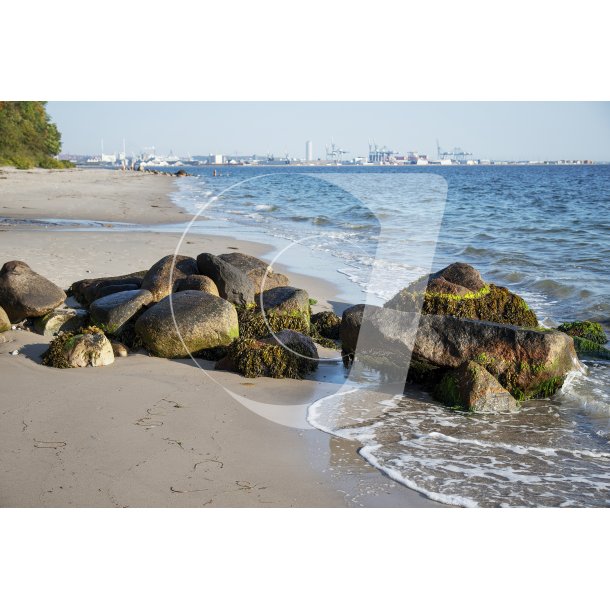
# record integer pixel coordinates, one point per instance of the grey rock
(26, 294)
(64, 320)
(450, 279)
(162, 278)
(256, 269)
(88, 290)
(233, 285)
(204, 321)
(112, 312)
(473, 388)
(351, 321)
(104, 291)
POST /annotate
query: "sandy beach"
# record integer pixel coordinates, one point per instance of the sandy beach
(148, 431)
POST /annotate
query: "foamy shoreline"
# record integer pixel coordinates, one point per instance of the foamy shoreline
(147, 431)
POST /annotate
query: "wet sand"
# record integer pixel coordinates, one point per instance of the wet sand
(148, 431)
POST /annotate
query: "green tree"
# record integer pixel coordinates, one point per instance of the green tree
(28, 138)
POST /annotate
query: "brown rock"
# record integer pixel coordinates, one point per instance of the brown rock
(26, 294)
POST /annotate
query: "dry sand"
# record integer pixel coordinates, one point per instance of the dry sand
(147, 431)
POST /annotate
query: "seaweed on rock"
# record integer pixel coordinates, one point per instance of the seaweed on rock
(55, 355)
(491, 303)
(589, 331)
(253, 358)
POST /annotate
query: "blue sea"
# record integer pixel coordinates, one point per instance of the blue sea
(542, 231)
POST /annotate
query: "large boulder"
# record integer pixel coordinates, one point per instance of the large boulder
(472, 388)
(204, 322)
(76, 351)
(88, 290)
(163, 277)
(528, 363)
(197, 282)
(61, 320)
(232, 283)
(112, 312)
(459, 290)
(5, 323)
(26, 294)
(256, 269)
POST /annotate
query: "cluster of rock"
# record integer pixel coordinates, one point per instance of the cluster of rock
(181, 173)
(475, 345)
(217, 307)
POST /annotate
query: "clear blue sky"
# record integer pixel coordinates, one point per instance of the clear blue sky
(490, 130)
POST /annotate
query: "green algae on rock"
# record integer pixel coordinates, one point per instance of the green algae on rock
(288, 354)
(254, 325)
(326, 324)
(589, 349)
(491, 304)
(590, 331)
(459, 290)
(89, 347)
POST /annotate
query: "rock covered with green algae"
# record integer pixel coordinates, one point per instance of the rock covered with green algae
(287, 354)
(286, 301)
(527, 362)
(187, 322)
(459, 290)
(590, 331)
(88, 348)
(326, 324)
(472, 388)
(589, 349)
(254, 325)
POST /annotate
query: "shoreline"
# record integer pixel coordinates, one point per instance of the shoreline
(158, 432)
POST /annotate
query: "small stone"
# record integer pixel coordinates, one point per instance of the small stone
(119, 350)
(15, 353)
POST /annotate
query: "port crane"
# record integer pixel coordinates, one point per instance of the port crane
(334, 153)
(457, 154)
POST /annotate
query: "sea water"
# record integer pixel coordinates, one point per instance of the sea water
(541, 231)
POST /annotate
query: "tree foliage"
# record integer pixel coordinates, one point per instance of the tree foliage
(28, 138)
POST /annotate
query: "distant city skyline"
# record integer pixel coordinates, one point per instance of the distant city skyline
(537, 131)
